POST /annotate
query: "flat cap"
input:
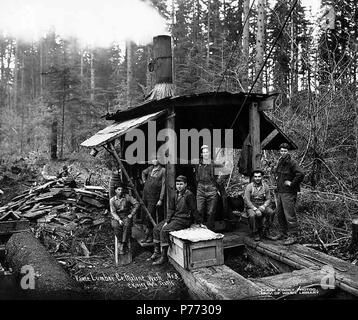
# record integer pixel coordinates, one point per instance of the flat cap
(181, 178)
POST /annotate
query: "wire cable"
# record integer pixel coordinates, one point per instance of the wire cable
(236, 45)
(264, 63)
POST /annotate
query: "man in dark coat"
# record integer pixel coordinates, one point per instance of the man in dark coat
(181, 214)
(288, 176)
(123, 208)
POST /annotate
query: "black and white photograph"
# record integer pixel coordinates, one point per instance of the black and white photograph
(179, 154)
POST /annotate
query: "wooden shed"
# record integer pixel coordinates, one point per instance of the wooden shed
(242, 113)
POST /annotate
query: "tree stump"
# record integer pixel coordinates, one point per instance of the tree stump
(353, 247)
(122, 259)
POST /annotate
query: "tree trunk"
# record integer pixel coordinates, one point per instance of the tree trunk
(260, 42)
(129, 72)
(208, 37)
(22, 104)
(41, 45)
(51, 281)
(53, 139)
(16, 74)
(245, 46)
(92, 78)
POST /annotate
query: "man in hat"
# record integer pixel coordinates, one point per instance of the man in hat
(67, 177)
(153, 195)
(207, 191)
(123, 207)
(257, 200)
(288, 177)
(64, 173)
(181, 214)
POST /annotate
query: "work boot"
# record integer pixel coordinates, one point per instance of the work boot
(256, 236)
(163, 258)
(156, 254)
(125, 247)
(149, 239)
(120, 248)
(279, 236)
(146, 235)
(290, 240)
(267, 234)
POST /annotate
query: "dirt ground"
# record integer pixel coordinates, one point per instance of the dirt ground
(101, 279)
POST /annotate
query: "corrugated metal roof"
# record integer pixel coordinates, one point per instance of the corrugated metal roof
(116, 129)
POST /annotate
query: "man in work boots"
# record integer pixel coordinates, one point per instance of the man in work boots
(181, 214)
(123, 208)
(288, 176)
(257, 200)
(153, 194)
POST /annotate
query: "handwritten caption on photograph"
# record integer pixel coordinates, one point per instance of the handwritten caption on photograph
(133, 281)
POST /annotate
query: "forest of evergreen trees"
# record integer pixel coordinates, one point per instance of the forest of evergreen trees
(53, 92)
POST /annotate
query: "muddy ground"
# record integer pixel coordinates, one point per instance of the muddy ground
(101, 279)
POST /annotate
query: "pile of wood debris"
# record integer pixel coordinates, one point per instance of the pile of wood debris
(58, 213)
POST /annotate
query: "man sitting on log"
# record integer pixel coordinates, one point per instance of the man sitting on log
(257, 199)
(181, 214)
(123, 208)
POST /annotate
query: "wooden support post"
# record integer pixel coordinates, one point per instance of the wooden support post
(353, 247)
(170, 167)
(254, 129)
(124, 171)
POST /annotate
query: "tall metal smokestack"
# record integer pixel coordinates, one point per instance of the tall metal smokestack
(162, 68)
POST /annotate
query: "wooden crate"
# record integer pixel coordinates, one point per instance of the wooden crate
(191, 254)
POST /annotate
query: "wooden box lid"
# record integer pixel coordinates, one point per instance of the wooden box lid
(196, 234)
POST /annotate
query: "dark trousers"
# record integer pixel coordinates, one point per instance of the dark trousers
(257, 223)
(155, 212)
(286, 213)
(161, 234)
(206, 201)
(124, 231)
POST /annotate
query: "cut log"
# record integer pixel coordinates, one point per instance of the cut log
(218, 283)
(35, 214)
(92, 201)
(51, 281)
